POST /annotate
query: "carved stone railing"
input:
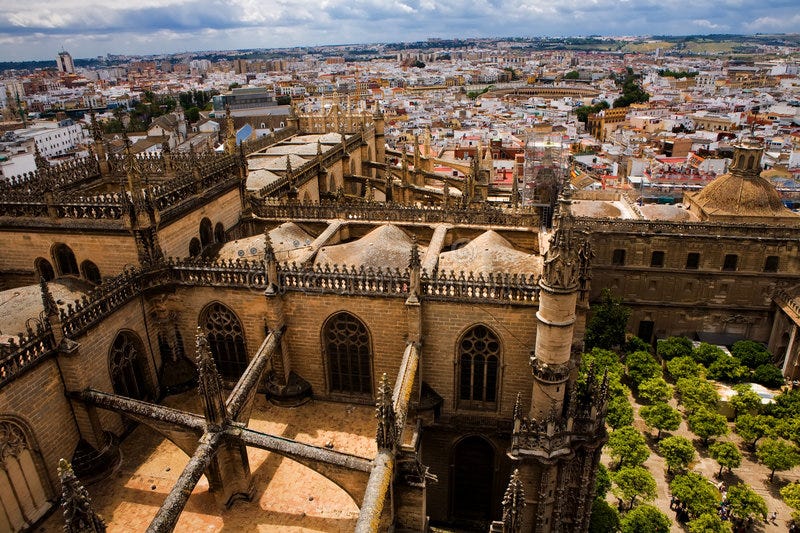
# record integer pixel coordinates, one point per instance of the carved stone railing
(494, 287)
(21, 203)
(552, 437)
(275, 209)
(24, 352)
(551, 373)
(326, 279)
(107, 206)
(260, 143)
(65, 175)
(704, 229)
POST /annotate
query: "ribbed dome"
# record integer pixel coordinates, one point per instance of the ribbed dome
(733, 194)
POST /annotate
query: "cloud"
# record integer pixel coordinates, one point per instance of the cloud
(37, 28)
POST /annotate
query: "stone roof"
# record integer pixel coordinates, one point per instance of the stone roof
(673, 213)
(22, 303)
(385, 247)
(490, 252)
(594, 209)
(257, 179)
(309, 149)
(289, 241)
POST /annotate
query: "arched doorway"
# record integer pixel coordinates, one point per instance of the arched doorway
(206, 233)
(226, 340)
(348, 352)
(64, 259)
(44, 269)
(127, 365)
(91, 272)
(219, 233)
(23, 493)
(472, 480)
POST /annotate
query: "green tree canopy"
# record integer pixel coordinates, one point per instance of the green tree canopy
(572, 75)
(654, 390)
(602, 481)
(628, 447)
(604, 517)
(745, 400)
(698, 493)
(709, 523)
(728, 369)
(706, 424)
(661, 417)
(752, 354)
(705, 353)
(620, 412)
(753, 427)
(744, 502)
(769, 375)
(726, 454)
(786, 404)
(673, 347)
(632, 92)
(582, 113)
(685, 367)
(791, 496)
(696, 393)
(632, 482)
(641, 366)
(645, 519)
(607, 323)
(778, 455)
(193, 114)
(677, 451)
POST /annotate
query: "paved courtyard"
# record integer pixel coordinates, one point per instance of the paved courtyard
(288, 496)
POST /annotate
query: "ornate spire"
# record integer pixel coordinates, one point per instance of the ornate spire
(48, 302)
(39, 159)
(97, 132)
(269, 252)
(518, 407)
(387, 425)
(209, 383)
(414, 261)
(79, 517)
(513, 504)
(562, 264)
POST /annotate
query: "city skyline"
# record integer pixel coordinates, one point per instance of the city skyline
(39, 29)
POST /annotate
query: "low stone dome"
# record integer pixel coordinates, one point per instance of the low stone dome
(737, 195)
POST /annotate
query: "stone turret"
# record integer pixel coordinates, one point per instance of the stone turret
(79, 517)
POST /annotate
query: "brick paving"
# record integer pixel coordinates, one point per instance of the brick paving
(289, 496)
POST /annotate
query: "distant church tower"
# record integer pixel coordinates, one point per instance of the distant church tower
(64, 63)
(556, 445)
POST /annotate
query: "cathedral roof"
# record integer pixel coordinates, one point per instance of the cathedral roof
(385, 247)
(490, 252)
(19, 304)
(289, 241)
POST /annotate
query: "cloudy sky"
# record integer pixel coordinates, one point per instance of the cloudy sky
(37, 29)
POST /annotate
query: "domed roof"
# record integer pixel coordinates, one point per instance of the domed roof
(742, 192)
(733, 194)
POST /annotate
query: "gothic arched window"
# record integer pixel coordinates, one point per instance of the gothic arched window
(194, 247)
(130, 374)
(25, 494)
(65, 261)
(348, 352)
(478, 368)
(226, 340)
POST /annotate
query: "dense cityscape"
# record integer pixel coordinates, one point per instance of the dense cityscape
(565, 270)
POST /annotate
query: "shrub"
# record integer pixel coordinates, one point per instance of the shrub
(673, 347)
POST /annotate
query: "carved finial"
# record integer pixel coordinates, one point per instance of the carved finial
(518, 406)
(513, 504)
(48, 302)
(269, 251)
(387, 425)
(414, 261)
(39, 159)
(288, 167)
(209, 383)
(79, 517)
(319, 147)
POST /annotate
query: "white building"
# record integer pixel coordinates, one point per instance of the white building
(64, 63)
